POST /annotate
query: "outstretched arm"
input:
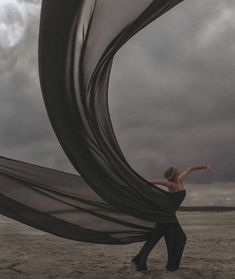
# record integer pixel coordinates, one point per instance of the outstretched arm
(161, 182)
(192, 168)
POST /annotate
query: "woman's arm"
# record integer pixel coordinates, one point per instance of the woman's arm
(161, 182)
(192, 168)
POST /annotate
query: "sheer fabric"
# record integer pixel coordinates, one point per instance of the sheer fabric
(108, 203)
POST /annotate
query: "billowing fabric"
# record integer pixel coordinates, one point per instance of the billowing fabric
(108, 202)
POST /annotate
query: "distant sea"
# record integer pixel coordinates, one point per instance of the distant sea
(213, 194)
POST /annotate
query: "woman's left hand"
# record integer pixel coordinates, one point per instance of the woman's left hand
(209, 170)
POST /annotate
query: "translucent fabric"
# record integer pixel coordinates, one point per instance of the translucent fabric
(108, 203)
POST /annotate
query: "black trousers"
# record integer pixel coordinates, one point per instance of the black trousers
(175, 239)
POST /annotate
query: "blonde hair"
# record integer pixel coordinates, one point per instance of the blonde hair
(169, 173)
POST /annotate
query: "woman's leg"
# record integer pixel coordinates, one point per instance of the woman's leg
(181, 240)
(141, 258)
(175, 241)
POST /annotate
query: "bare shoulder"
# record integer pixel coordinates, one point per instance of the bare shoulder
(180, 180)
(172, 185)
(177, 186)
(163, 183)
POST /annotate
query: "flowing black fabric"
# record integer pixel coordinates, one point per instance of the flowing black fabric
(108, 202)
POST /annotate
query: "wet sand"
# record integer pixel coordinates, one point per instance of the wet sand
(209, 252)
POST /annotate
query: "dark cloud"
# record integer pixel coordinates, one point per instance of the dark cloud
(171, 94)
(26, 133)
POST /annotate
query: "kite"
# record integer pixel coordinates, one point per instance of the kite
(108, 202)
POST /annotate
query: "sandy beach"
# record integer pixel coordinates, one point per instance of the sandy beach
(30, 253)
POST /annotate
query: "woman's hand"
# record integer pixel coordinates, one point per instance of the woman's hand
(209, 170)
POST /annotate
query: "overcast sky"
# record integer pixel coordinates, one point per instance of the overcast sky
(171, 92)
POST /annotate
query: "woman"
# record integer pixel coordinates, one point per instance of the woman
(174, 236)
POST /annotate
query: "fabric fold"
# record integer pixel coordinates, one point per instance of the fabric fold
(109, 202)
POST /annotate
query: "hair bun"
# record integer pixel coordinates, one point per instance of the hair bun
(169, 173)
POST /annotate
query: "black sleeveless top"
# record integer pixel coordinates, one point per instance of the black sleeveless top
(178, 198)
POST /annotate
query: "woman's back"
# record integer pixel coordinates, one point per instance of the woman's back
(177, 186)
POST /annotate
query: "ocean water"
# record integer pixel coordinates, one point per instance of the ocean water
(212, 194)
(208, 219)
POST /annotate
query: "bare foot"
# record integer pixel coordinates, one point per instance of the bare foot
(134, 265)
(137, 268)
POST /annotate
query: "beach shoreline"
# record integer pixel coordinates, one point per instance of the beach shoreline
(209, 253)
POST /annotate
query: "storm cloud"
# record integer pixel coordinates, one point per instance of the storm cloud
(171, 94)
